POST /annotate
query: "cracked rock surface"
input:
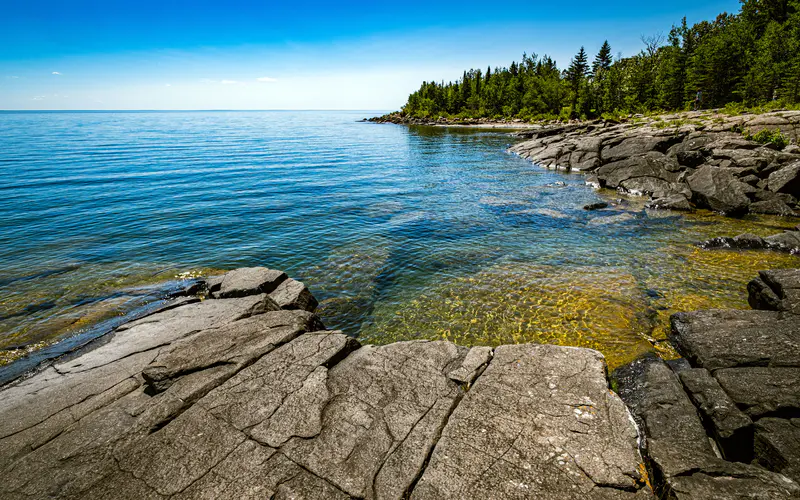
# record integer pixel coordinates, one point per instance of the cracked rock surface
(722, 423)
(250, 397)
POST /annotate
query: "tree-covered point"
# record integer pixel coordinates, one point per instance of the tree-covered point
(751, 58)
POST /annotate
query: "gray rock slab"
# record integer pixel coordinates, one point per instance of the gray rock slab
(786, 180)
(473, 365)
(717, 338)
(761, 391)
(248, 281)
(762, 296)
(719, 190)
(777, 445)
(785, 283)
(733, 430)
(292, 294)
(387, 405)
(540, 422)
(237, 343)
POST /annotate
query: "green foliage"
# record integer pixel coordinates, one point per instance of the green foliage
(748, 61)
(766, 136)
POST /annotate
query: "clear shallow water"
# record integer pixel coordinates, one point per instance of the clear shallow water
(401, 233)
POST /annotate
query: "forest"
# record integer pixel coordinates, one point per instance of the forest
(747, 59)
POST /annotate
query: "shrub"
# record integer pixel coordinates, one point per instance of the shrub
(767, 136)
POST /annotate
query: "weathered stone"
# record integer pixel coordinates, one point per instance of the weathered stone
(785, 283)
(475, 361)
(387, 405)
(730, 338)
(786, 180)
(788, 241)
(540, 422)
(733, 430)
(682, 460)
(248, 281)
(676, 439)
(777, 445)
(291, 294)
(595, 206)
(651, 166)
(690, 158)
(636, 145)
(238, 343)
(675, 202)
(718, 190)
(761, 296)
(772, 207)
(760, 391)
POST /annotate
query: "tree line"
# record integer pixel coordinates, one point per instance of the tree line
(752, 58)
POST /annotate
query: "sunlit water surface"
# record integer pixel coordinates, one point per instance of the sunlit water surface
(402, 233)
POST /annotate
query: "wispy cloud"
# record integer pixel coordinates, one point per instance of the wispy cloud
(56, 73)
(12, 77)
(229, 82)
(267, 79)
(38, 98)
(168, 85)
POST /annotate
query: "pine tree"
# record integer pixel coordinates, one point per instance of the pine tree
(602, 62)
(575, 76)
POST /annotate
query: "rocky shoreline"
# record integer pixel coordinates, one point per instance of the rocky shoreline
(237, 389)
(684, 161)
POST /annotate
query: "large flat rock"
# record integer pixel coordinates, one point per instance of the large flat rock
(715, 339)
(540, 422)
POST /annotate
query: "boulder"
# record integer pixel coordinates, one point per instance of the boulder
(785, 285)
(717, 189)
(690, 158)
(788, 241)
(786, 180)
(247, 281)
(719, 338)
(652, 166)
(291, 294)
(675, 202)
(772, 207)
(761, 296)
(595, 206)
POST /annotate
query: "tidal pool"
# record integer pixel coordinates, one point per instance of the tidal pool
(401, 232)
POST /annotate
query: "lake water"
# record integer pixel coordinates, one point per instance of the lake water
(402, 233)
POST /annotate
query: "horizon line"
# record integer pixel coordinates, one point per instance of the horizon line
(174, 110)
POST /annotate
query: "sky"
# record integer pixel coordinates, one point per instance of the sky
(233, 54)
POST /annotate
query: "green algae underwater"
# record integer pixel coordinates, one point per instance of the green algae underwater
(402, 233)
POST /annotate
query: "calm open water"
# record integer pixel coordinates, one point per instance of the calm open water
(402, 233)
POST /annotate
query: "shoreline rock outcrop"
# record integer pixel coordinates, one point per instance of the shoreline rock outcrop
(722, 422)
(245, 394)
(248, 395)
(681, 163)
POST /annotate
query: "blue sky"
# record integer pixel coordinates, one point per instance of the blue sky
(293, 55)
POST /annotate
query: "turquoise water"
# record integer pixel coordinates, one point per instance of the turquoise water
(398, 231)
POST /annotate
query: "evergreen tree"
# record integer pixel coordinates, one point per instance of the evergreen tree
(602, 62)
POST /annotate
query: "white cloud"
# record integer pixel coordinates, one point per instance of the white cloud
(168, 85)
(229, 82)
(38, 98)
(267, 79)
(12, 77)
(56, 73)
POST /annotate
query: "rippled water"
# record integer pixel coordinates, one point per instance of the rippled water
(402, 233)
